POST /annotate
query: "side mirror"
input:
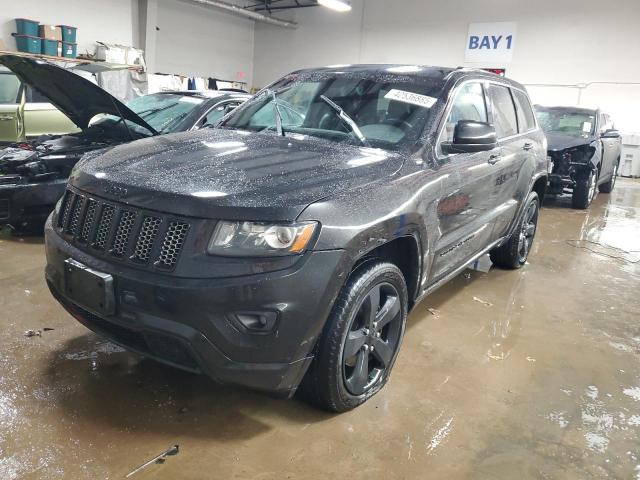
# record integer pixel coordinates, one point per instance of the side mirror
(611, 133)
(470, 137)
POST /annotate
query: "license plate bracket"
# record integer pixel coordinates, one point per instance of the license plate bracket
(89, 288)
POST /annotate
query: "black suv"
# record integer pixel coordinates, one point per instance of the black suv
(285, 248)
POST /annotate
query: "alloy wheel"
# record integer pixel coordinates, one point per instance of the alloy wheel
(528, 231)
(593, 180)
(373, 338)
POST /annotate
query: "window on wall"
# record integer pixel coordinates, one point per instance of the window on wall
(526, 119)
(469, 104)
(504, 112)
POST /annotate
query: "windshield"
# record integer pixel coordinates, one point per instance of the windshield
(9, 87)
(388, 112)
(164, 111)
(575, 124)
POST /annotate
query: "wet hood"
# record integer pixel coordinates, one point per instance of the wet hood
(230, 174)
(558, 141)
(78, 98)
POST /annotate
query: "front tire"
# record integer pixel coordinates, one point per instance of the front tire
(584, 190)
(514, 253)
(360, 341)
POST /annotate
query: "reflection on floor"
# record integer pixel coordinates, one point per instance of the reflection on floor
(525, 374)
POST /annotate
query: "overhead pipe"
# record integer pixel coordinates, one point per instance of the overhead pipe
(230, 7)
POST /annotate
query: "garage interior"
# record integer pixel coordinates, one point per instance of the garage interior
(531, 372)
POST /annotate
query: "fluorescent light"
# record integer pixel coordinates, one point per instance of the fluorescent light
(338, 5)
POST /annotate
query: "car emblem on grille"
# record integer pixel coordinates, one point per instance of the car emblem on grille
(115, 191)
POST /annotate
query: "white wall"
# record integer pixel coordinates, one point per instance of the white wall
(108, 21)
(202, 41)
(558, 42)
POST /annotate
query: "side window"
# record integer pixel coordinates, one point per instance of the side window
(216, 113)
(9, 88)
(526, 120)
(33, 96)
(469, 104)
(504, 112)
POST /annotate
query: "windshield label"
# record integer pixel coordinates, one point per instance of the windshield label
(412, 98)
(586, 127)
(196, 101)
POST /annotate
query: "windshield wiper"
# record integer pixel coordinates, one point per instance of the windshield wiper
(346, 119)
(152, 111)
(276, 109)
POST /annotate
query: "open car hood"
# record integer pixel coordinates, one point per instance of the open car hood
(76, 97)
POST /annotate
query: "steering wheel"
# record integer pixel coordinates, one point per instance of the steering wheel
(397, 122)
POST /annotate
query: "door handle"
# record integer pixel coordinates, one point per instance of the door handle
(494, 158)
(527, 146)
(6, 118)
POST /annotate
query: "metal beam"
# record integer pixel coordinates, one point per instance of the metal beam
(237, 10)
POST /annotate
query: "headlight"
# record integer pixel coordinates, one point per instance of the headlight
(251, 239)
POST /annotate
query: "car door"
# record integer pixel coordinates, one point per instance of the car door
(11, 109)
(466, 213)
(512, 116)
(42, 118)
(610, 147)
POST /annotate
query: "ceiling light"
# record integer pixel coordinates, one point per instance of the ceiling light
(338, 5)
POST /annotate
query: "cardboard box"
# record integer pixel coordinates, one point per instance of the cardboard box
(51, 32)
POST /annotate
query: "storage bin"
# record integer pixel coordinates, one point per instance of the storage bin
(51, 47)
(27, 27)
(68, 33)
(69, 50)
(28, 43)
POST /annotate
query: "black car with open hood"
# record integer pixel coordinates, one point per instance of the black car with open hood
(584, 151)
(33, 173)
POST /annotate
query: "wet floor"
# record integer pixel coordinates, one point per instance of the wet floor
(511, 374)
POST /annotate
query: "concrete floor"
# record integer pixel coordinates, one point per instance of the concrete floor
(542, 381)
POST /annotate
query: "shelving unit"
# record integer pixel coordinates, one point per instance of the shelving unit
(74, 61)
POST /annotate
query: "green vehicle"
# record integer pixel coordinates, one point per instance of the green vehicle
(26, 114)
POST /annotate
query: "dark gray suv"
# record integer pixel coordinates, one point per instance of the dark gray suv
(283, 249)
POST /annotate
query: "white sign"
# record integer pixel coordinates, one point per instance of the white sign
(490, 42)
(412, 98)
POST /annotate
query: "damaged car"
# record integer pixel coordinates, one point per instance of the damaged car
(584, 152)
(33, 173)
(283, 249)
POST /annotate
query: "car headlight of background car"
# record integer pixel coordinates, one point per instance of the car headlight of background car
(252, 239)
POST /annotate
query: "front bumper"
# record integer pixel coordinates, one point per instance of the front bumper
(27, 205)
(190, 323)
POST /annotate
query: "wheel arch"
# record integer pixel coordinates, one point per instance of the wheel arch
(404, 252)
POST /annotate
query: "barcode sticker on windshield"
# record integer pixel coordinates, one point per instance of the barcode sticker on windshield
(586, 127)
(412, 98)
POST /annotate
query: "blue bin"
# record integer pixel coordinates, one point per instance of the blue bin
(69, 50)
(28, 43)
(50, 47)
(68, 33)
(27, 27)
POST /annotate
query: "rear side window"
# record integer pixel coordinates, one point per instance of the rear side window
(469, 104)
(9, 88)
(34, 96)
(504, 112)
(526, 120)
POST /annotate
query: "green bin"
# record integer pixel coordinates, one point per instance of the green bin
(68, 33)
(69, 50)
(27, 27)
(51, 47)
(28, 43)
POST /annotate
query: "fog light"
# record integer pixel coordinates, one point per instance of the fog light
(259, 322)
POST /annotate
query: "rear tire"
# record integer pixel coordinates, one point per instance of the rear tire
(608, 187)
(514, 253)
(584, 190)
(360, 341)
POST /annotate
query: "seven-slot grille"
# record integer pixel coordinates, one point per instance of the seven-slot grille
(123, 233)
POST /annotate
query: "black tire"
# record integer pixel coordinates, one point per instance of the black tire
(514, 252)
(585, 189)
(332, 383)
(608, 187)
